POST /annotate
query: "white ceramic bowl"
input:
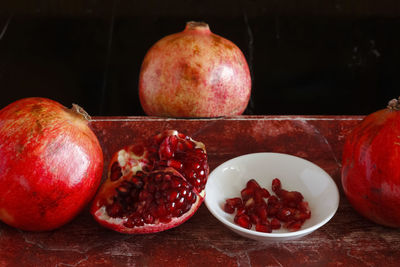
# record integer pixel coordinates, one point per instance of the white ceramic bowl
(317, 187)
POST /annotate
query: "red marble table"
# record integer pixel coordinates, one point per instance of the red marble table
(347, 239)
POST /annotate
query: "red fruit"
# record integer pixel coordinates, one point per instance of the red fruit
(50, 163)
(153, 185)
(194, 73)
(371, 169)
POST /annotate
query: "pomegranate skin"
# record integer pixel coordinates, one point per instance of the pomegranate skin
(50, 164)
(194, 73)
(371, 167)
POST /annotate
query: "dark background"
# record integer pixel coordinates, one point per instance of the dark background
(306, 57)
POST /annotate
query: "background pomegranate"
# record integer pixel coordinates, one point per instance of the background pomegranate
(194, 73)
(371, 166)
(50, 164)
(153, 185)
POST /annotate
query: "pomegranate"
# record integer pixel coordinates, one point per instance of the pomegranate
(252, 208)
(194, 73)
(50, 163)
(371, 166)
(153, 185)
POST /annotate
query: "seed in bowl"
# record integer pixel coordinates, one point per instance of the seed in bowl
(267, 212)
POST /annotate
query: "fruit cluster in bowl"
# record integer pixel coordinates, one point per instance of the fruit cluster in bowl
(296, 174)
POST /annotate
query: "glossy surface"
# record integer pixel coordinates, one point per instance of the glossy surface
(51, 164)
(296, 174)
(347, 239)
(194, 73)
(371, 171)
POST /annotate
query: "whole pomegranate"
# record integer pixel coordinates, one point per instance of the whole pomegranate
(153, 185)
(194, 73)
(371, 166)
(50, 164)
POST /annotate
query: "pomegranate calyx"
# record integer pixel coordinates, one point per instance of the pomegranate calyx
(394, 104)
(197, 25)
(79, 111)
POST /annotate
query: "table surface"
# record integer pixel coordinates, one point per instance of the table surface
(347, 239)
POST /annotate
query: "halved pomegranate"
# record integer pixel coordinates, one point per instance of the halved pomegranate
(154, 185)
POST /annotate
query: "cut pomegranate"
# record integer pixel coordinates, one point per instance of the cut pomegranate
(285, 207)
(153, 186)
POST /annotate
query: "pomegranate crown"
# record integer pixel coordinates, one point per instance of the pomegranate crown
(394, 104)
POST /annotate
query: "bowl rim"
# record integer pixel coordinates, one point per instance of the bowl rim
(278, 234)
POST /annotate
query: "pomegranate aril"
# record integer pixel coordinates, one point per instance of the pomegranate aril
(250, 203)
(275, 224)
(263, 228)
(243, 221)
(124, 189)
(235, 202)
(276, 185)
(285, 214)
(115, 172)
(262, 213)
(148, 219)
(173, 195)
(253, 185)
(241, 210)
(290, 198)
(166, 219)
(115, 209)
(293, 225)
(246, 193)
(303, 207)
(229, 208)
(174, 164)
(254, 219)
(137, 181)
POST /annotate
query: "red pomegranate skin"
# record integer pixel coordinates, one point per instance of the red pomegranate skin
(194, 73)
(371, 167)
(50, 164)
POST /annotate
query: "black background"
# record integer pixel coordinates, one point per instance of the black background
(306, 57)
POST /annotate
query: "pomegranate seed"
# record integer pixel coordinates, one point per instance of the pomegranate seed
(166, 219)
(148, 219)
(116, 171)
(138, 150)
(263, 228)
(262, 213)
(235, 202)
(253, 185)
(243, 221)
(254, 218)
(173, 195)
(175, 164)
(229, 208)
(293, 225)
(249, 203)
(115, 209)
(285, 214)
(241, 210)
(290, 198)
(246, 193)
(275, 224)
(303, 207)
(276, 185)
